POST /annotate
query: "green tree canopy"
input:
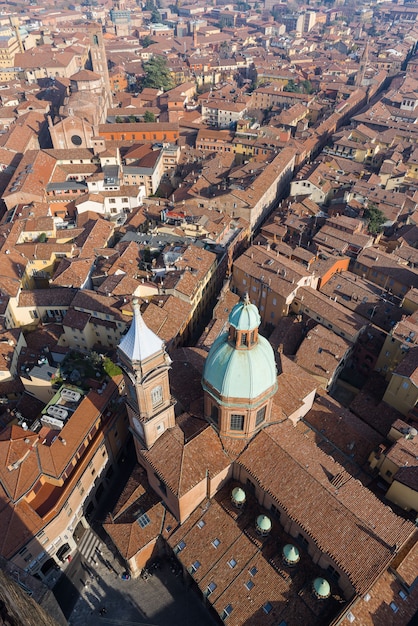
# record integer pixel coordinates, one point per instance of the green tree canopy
(375, 219)
(157, 74)
(155, 16)
(303, 86)
(291, 86)
(149, 116)
(146, 41)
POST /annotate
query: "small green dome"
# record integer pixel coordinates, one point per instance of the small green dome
(264, 523)
(238, 495)
(291, 553)
(236, 373)
(245, 316)
(321, 588)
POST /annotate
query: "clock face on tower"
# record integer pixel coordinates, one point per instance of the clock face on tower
(138, 426)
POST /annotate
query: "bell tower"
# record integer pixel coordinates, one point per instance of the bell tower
(98, 62)
(145, 366)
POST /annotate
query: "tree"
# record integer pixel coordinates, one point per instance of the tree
(155, 16)
(306, 86)
(149, 117)
(111, 368)
(157, 74)
(292, 86)
(375, 219)
(146, 41)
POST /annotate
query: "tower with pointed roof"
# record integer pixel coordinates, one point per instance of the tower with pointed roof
(240, 377)
(145, 365)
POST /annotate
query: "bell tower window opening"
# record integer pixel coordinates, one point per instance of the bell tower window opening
(157, 396)
(244, 339)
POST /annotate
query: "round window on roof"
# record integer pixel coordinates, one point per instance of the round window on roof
(76, 140)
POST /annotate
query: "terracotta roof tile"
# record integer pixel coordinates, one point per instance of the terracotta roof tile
(183, 462)
(364, 532)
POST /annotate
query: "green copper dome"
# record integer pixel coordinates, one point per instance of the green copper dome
(263, 523)
(238, 495)
(321, 588)
(291, 553)
(240, 373)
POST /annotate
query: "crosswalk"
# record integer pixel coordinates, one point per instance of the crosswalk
(90, 545)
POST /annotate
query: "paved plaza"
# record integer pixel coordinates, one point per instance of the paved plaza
(92, 582)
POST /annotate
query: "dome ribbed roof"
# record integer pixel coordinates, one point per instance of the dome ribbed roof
(240, 373)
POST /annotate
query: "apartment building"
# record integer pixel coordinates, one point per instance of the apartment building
(271, 281)
(386, 271)
(402, 338)
(313, 304)
(397, 465)
(54, 471)
(222, 113)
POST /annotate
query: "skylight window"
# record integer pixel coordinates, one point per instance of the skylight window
(143, 520)
(267, 608)
(211, 588)
(194, 567)
(216, 542)
(227, 611)
(394, 607)
(249, 584)
(253, 571)
(201, 523)
(232, 563)
(180, 546)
